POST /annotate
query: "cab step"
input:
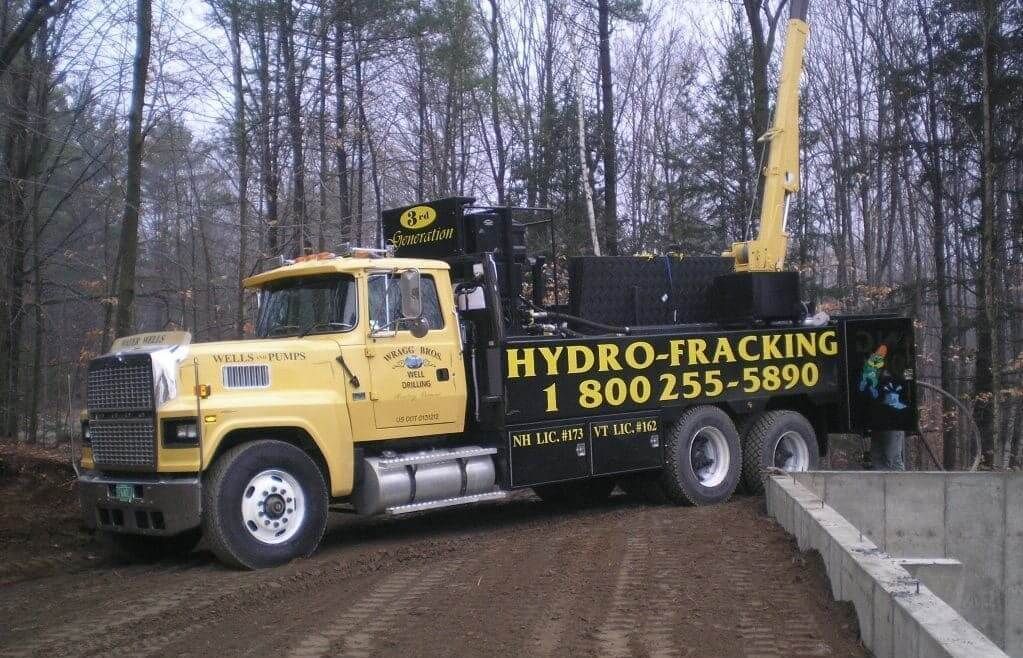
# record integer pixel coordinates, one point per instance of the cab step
(446, 502)
(433, 456)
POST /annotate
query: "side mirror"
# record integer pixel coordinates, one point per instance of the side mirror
(418, 327)
(411, 296)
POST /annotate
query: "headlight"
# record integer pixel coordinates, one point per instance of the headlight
(181, 433)
(86, 435)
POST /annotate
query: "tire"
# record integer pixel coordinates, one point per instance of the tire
(581, 492)
(702, 458)
(778, 439)
(147, 548)
(269, 481)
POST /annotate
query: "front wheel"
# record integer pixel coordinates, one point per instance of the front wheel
(784, 440)
(264, 504)
(702, 458)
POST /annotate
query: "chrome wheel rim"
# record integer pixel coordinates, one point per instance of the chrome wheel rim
(791, 453)
(273, 506)
(709, 456)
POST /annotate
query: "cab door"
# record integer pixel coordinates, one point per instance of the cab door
(414, 382)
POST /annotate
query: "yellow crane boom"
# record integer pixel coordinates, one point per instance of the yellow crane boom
(766, 253)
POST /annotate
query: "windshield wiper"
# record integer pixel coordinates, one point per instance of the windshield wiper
(325, 325)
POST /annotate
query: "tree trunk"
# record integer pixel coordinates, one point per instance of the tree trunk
(321, 135)
(936, 183)
(341, 125)
(548, 109)
(40, 130)
(241, 151)
(127, 248)
(495, 104)
(292, 93)
(607, 129)
(988, 380)
(14, 209)
(584, 168)
(267, 137)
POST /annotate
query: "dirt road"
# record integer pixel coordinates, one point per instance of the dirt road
(511, 578)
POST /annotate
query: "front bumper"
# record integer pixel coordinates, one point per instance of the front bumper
(162, 506)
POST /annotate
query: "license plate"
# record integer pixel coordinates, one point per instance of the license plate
(124, 492)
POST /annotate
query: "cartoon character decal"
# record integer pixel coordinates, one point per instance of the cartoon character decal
(891, 395)
(870, 377)
(878, 383)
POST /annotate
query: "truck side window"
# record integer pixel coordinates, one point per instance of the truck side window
(385, 302)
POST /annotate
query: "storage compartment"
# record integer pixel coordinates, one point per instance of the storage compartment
(640, 291)
(752, 297)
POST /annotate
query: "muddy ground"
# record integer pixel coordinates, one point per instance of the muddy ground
(509, 578)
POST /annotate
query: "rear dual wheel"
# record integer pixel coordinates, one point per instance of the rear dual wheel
(703, 459)
(783, 440)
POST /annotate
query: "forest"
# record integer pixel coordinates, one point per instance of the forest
(154, 153)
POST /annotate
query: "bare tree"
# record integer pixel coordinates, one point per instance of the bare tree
(127, 248)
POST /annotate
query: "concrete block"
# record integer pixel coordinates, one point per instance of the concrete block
(975, 535)
(915, 515)
(943, 632)
(943, 576)
(905, 632)
(859, 497)
(883, 644)
(860, 590)
(815, 481)
(896, 616)
(1014, 564)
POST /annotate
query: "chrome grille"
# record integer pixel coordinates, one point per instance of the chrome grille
(252, 376)
(120, 384)
(124, 442)
(120, 401)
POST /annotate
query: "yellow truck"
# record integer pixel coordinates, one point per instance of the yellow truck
(448, 370)
(384, 385)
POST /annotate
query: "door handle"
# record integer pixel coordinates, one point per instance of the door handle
(443, 375)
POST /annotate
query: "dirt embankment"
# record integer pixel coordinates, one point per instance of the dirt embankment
(517, 577)
(40, 526)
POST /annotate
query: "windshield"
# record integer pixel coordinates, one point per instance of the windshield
(310, 305)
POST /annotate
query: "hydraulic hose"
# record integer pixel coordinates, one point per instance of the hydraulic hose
(962, 407)
(555, 315)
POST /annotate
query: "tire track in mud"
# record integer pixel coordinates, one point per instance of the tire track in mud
(87, 583)
(492, 599)
(66, 600)
(44, 567)
(203, 601)
(591, 551)
(129, 617)
(518, 579)
(643, 575)
(800, 636)
(356, 632)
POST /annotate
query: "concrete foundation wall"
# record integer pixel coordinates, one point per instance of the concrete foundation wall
(975, 518)
(905, 603)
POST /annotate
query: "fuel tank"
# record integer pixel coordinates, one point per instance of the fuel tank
(394, 481)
